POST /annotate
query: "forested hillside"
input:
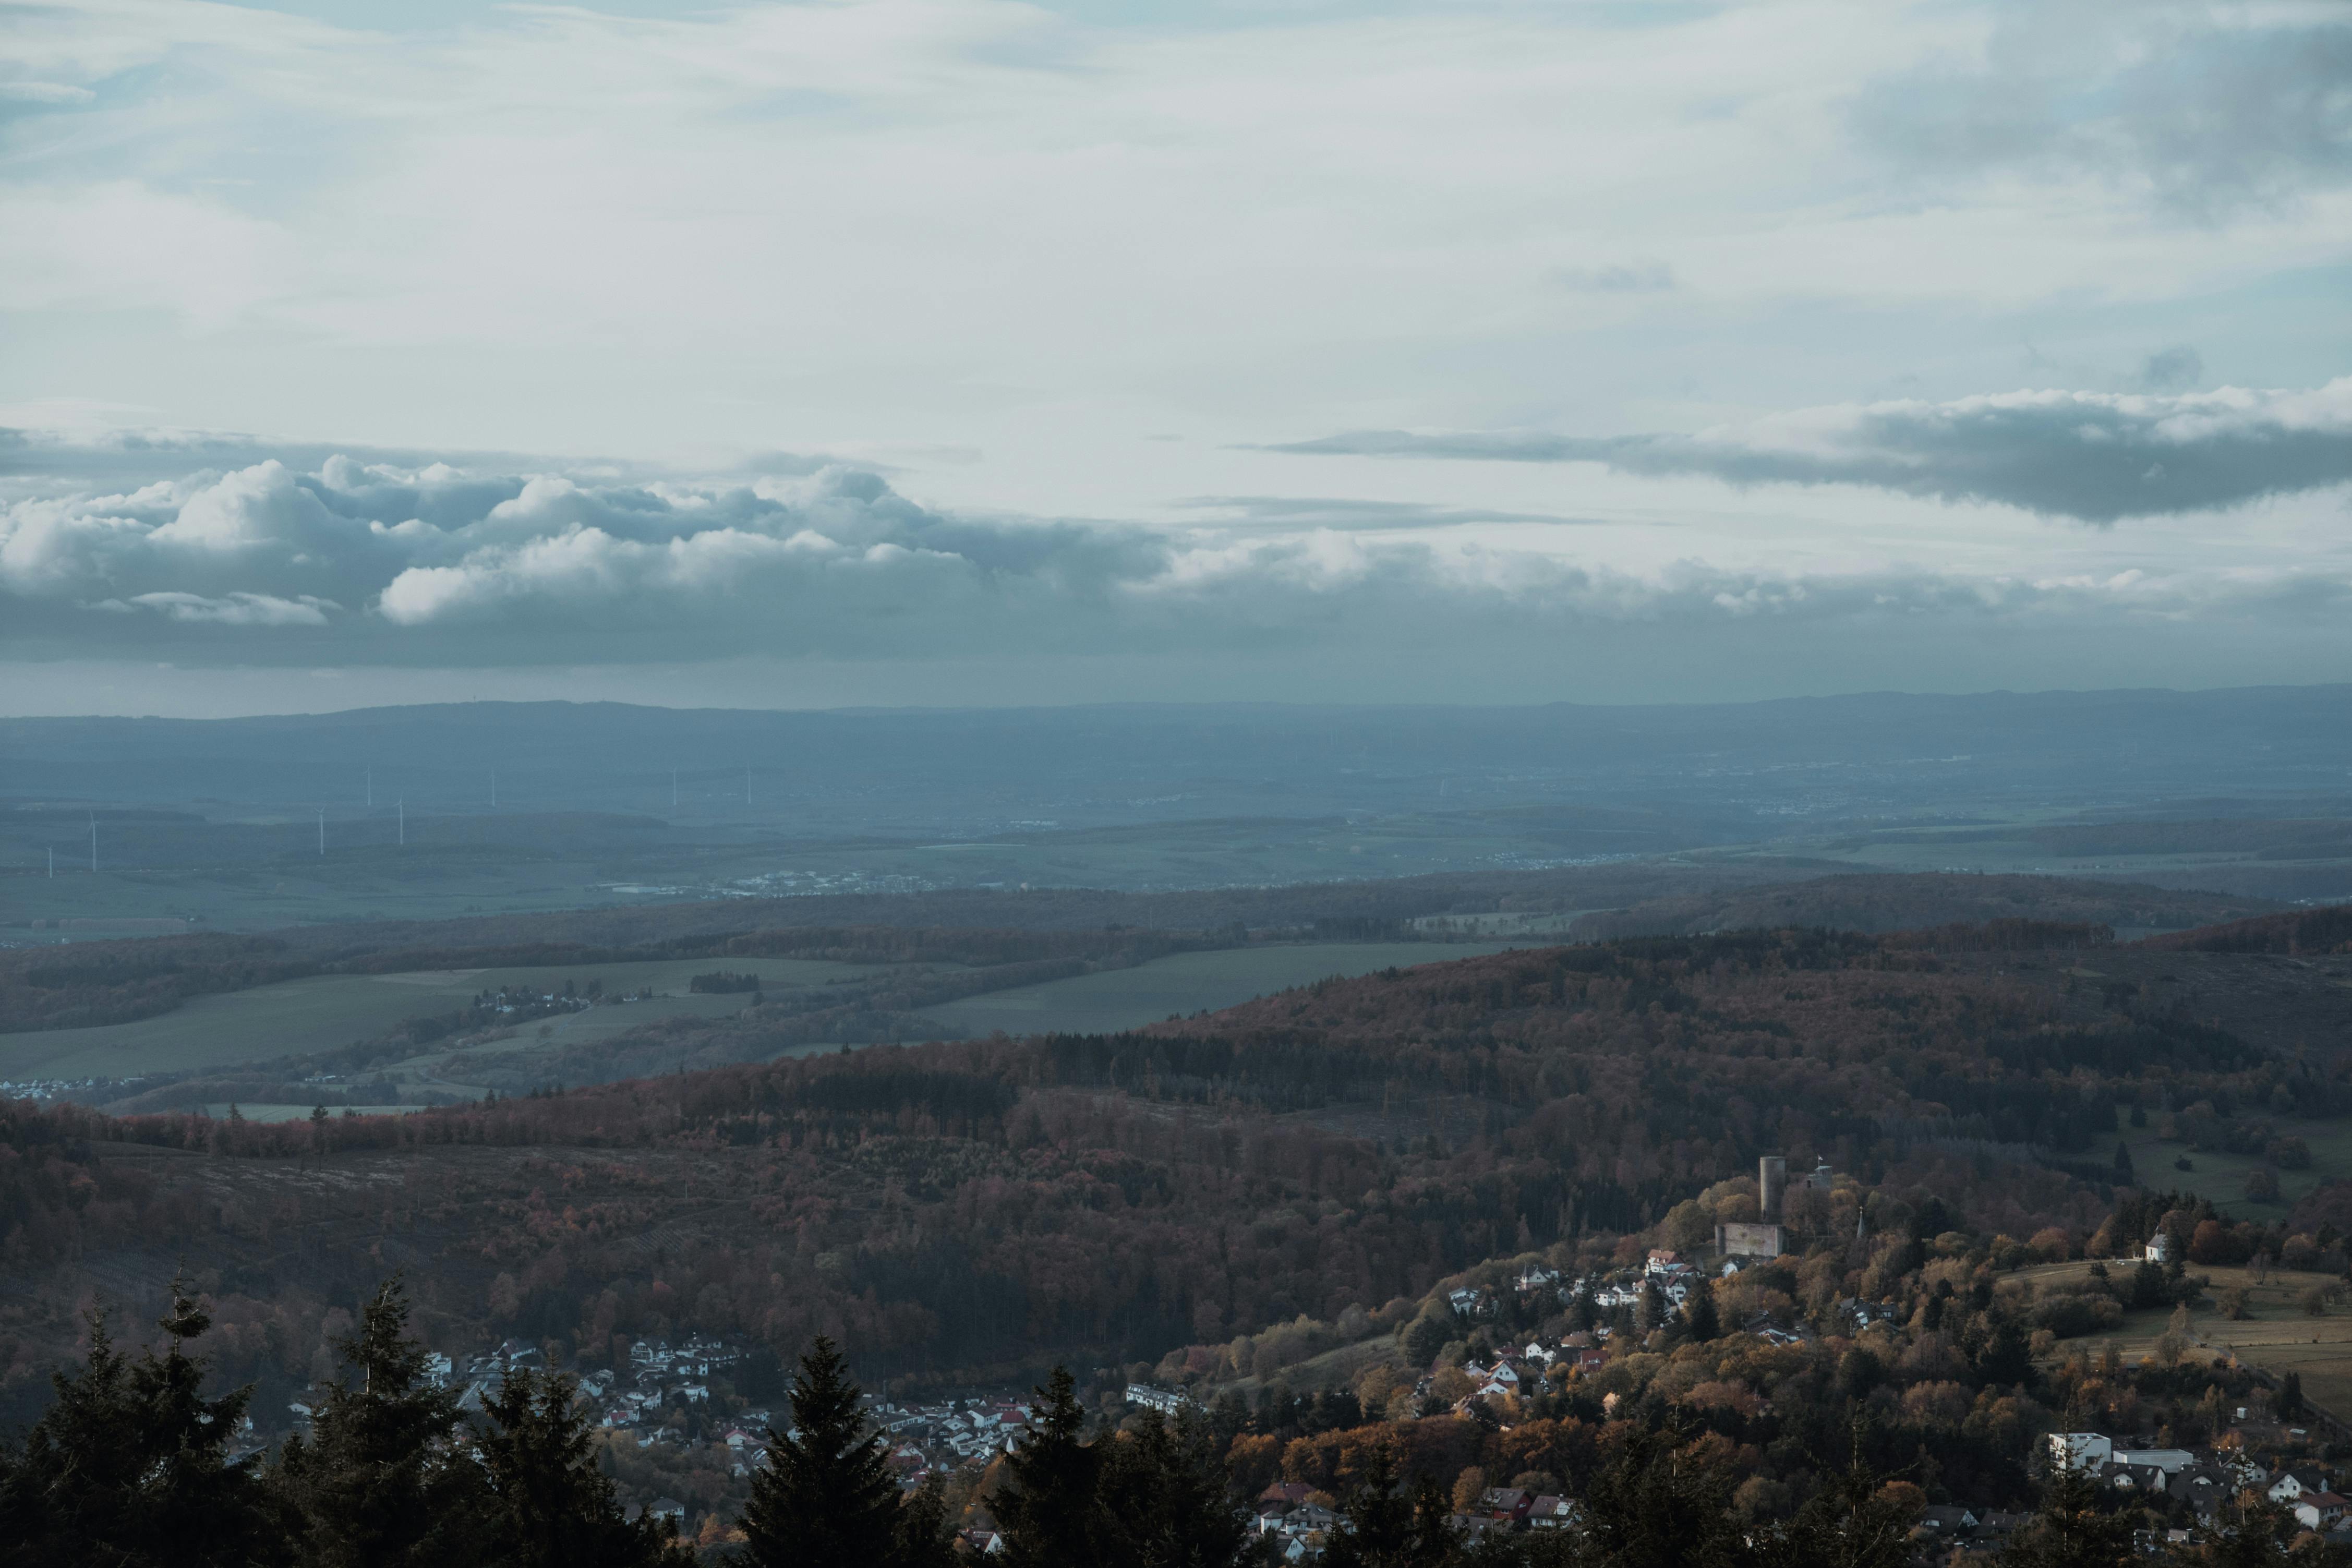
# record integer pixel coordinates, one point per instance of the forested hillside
(952, 1209)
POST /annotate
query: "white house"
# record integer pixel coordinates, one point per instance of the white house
(2319, 1510)
(1167, 1401)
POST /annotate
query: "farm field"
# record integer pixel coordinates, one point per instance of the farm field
(2278, 1335)
(1184, 983)
(325, 1012)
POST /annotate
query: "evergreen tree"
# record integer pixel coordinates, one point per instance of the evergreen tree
(1652, 1312)
(1163, 1503)
(2254, 1532)
(826, 1498)
(1849, 1523)
(1050, 1513)
(1699, 1315)
(926, 1531)
(1387, 1525)
(2124, 1176)
(2008, 1354)
(2071, 1530)
(129, 1466)
(385, 1480)
(550, 1506)
(1653, 1506)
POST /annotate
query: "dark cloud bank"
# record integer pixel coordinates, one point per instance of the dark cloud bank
(2099, 457)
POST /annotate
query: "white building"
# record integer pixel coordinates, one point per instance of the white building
(2081, 1450)
(2171, 1461)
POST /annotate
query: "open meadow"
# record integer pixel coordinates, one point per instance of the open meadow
(327, 1011)
(2221, 1176)
(2280, 1331)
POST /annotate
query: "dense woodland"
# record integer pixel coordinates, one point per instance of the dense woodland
(1213, 1201)
(969, 1209)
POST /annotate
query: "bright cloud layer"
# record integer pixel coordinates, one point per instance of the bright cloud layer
(976, 330)
(394, 559)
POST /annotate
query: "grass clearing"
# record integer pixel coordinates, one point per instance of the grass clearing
(2222, 1177)
(330, 1011)
(2278, 1335)
(1184, 983)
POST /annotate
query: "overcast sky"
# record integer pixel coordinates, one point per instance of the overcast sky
(971, 353)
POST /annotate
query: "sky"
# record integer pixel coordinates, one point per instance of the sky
(958, 352)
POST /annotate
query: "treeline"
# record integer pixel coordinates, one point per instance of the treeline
(2299, 933)
(1915, 901)
(131, 1465)
(83, 984)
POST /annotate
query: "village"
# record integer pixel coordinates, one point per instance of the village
(686, 1426)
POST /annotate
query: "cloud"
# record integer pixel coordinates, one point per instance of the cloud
(230, 609)
(382, 561)
(1352, 512)
(1648, 277)
(351, 563)
(2096, 457)
(45, 92)
(2175, 369)
(2208, 114)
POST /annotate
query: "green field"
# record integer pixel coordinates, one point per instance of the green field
(2278, 1334)
(1184, 983)
(2222, 1177)
(328, 1012)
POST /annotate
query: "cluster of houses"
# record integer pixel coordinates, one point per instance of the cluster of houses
(661, 1376)
(1289, 1512)
(81, 1090)
(942, 1436)
(2204, 1481)
(1302, 1519)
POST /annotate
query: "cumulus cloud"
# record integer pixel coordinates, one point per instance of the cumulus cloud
(2096, 457)
(350, 561)
(421, 561)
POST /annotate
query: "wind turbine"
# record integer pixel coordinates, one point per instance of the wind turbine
(322, 830)
(494, 789)
(371, 786)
